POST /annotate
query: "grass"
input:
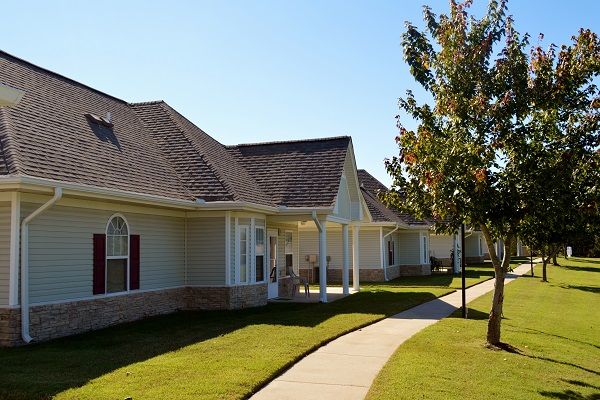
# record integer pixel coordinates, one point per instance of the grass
(554, 327)
(199, 355)
(476, 273)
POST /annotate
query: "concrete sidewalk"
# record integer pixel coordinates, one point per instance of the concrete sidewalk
(346, 367)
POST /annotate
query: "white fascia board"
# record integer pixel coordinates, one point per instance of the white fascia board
(76, 189)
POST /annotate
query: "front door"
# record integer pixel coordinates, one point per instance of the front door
(273, 290)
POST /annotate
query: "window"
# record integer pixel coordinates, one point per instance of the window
(289, 252)
(117, 255)
(480, 247)
(260, 253)
(390, 252)
(243, 264)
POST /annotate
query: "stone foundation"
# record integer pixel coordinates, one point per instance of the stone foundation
(10, 326)
(474, 260)
(415, 270)
(51, 321)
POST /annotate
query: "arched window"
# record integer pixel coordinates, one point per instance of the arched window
(117, 255)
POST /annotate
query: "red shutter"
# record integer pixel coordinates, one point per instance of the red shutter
(134, 262)
(99, 278)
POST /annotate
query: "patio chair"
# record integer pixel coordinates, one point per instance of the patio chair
(298, 281)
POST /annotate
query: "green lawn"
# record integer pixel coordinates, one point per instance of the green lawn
(195, 355)
(555, 328)
(476, 273)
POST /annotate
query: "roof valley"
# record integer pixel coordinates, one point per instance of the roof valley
(8, 150)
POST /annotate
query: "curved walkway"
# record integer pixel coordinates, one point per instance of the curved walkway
(346, 367)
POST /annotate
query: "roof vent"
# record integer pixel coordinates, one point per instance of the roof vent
(104, 121)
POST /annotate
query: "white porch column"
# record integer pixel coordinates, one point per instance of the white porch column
(355, 258)
(346, 259)
(323, 262)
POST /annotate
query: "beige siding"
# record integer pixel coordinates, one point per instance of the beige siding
(4, 252)
(440, 246)
(206, 251)
(369, 247)
(343, 200)
(409, 243)
(61, 250)
(472, 245)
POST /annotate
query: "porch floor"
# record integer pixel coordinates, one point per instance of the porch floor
(333, 293)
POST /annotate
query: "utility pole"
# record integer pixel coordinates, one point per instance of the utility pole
(463, 265)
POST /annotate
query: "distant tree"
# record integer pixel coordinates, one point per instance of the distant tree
(474, 156)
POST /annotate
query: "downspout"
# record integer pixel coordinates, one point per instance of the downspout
(25, 262)
(382, 249)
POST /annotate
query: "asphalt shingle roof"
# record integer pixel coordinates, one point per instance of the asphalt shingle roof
(47, 135)
(151, 148)
(371, 187)
(303, 173)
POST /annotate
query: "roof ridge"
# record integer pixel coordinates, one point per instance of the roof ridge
(311, 140)
(146, 103)
(222, 180)
(148, 132)
(59, 76)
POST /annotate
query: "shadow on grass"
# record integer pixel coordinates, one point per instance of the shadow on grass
(580, 383)
(570, 395)
(45, 369)
(586, 261)
(582, 269)
(515, 350)
(591, 289)
(532, 331)
(471, 314)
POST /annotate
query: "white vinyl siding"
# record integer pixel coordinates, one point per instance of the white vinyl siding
(4, 252)
(343, 201)
(61, 250)
(206, 251)
(409, 244)
(369, 246)
(472, 245)
(440, 245)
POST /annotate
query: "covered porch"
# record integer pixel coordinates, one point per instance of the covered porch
(286, 281)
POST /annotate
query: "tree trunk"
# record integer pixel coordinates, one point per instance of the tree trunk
(554, 261)
(495, 320)
(500, 270)
(545, 261)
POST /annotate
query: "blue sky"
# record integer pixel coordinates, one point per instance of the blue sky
(254, 71)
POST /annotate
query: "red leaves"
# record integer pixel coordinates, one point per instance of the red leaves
(481, 175)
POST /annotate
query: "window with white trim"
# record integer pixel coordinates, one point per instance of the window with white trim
(391, 252)
(259, 253)
(289, 252)
(243, 263)
(117, 255)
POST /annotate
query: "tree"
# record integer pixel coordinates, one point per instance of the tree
(473, 155)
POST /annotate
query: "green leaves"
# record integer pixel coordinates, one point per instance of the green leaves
(513, 130)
